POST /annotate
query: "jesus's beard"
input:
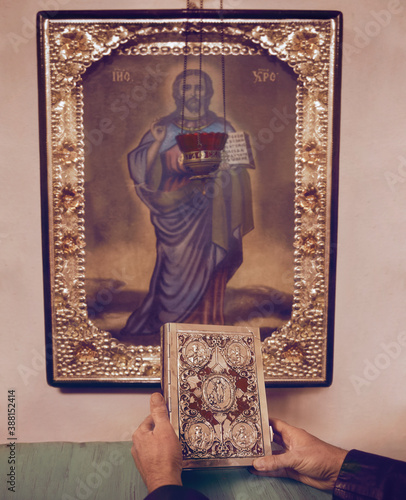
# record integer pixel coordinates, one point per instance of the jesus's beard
(192, 106)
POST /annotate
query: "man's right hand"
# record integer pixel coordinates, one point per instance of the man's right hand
(158, 130)
(306, 458)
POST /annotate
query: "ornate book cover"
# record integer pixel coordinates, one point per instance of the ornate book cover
(213, 383)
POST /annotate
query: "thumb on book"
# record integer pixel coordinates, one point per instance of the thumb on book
(158, 408)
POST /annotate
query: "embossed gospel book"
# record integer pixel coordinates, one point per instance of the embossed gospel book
(214, 387)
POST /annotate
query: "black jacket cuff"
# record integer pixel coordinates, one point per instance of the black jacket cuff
(173, 492)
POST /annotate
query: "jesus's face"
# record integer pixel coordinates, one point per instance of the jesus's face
(194, 90)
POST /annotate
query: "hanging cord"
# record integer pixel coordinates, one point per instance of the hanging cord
(200, 66)
(199, 123)
(223, 64)
(185, 65)
(185, 57)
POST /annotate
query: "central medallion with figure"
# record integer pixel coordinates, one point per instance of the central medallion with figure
(218, 393)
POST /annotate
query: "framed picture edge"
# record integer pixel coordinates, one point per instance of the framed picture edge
(115, 16)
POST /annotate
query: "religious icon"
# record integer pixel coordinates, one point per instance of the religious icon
(198, 233)
(181, 245)
(134, 236)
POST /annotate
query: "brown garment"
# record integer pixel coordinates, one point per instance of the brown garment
(210, 310)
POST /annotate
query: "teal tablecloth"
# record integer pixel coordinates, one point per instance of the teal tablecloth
(105, 471)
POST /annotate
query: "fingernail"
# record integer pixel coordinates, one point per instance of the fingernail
(156, 398)
(259, 463)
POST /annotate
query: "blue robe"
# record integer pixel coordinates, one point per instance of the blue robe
(199, 224)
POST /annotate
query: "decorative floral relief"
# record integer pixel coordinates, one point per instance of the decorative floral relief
(293, 352)
(306, 44)
(75, 44)
(71, 243)
(313, 154)
(307, 243)
(69, 199)
(67, 154)
(309, 199)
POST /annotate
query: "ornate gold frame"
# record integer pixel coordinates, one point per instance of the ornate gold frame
(310, 42)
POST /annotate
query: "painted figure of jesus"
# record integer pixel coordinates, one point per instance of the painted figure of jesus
(199, 222)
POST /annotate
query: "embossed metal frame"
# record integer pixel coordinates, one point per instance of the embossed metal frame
(300, 353)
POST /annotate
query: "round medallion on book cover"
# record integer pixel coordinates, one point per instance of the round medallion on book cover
(244, 435)
(238, 354)
(196, 353)
(199, 436)
(218, 393)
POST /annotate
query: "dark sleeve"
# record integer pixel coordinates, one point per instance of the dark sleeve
(364, 476)
(172, 492)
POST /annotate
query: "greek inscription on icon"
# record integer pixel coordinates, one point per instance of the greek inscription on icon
(121, 76)
(263, 75)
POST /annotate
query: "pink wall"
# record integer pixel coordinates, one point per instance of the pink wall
(365, 407)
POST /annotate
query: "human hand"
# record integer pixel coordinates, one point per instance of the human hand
(156, 449)
(306, 459)
(158, 130)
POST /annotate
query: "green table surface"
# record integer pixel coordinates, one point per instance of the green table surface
(105, 471)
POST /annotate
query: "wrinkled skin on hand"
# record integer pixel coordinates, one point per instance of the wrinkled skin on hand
(156, 449)
(305, 458)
